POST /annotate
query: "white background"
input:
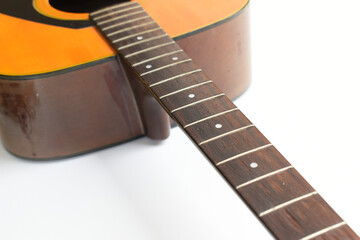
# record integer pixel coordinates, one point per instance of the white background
(304, 98)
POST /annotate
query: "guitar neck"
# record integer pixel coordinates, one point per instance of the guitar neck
(277, 194)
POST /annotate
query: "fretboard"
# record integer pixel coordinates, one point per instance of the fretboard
(277, 194)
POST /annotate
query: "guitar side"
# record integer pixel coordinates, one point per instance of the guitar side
(75, 102)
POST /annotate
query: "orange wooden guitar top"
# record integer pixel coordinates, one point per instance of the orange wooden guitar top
(29, 48)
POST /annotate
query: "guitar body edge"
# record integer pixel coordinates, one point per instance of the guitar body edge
(92, 107)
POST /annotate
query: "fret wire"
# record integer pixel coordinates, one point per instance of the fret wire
(264, 176)
(186, 88)
(129, 28)
(136, 34)
(197, 102)
(243, 154)
(124, 23)
(175, 77)
(157, 57)
(109, 8)
(166, 66)
(213, 116)
(287, 203)
(227, 133)
(143, 41)
(149, 49)
(328, 229)
(119, 17)
(119, 11)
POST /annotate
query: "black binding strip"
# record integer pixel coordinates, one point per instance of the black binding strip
(57, 72)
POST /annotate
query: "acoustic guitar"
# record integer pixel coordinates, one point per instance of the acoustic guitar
(277, 194)
(71, 103)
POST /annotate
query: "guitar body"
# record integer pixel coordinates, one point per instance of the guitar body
(64, 92)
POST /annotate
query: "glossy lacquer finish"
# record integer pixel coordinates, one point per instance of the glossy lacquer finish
(52, 117)
(94, 105)
(277, 194)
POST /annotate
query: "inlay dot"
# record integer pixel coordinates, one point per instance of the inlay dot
(218, 125)
(254, 165)
(191, 95)
(175, 58)
(139, 38)
(148, 66)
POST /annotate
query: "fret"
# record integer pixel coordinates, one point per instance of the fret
(153, 53)
(225, 134)
(279, 188)
(233, 145)
(120, 17)
(132, 38)
(137, 34)
(263, 177)
(149, 48)
(124, 23)
(303, 218)
(178, 84)
(130, 28)
(166, 66)
(143, 41)
(287, 203)
(163, 62)
(191, 96)
(253, 165)
(210, 129)
(157, 57)
(175, 77)
(244, 154)
(184, 89)
(323, 231)
(197, 102)
(288, 206)
(116, 12)
(343, 232)
(112, 7)
(210, 117)
(198, 112)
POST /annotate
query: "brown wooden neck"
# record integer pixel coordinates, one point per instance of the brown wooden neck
(277, 194)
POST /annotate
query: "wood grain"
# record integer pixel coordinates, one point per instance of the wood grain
(287, 205)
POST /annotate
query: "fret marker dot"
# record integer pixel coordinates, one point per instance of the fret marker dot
(148, 66)
(175, 58)
(218, 125)
(254, 165)
(191, 95)
(139, 38)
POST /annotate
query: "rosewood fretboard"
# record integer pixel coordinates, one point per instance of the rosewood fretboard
(278, 195)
